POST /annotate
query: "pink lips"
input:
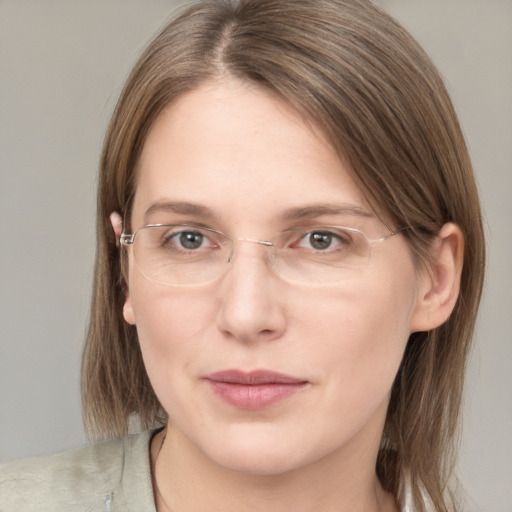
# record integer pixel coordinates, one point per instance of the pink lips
(253, 390)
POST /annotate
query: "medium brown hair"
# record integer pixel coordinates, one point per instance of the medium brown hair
(367, 83)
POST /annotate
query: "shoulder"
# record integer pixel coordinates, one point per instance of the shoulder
(77, 480)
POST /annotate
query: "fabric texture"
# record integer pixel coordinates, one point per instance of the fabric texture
(112, 476)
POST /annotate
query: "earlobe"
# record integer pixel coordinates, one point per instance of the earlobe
(438, 289)
(128, 310)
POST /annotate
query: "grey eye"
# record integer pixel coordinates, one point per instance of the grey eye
(190, 239)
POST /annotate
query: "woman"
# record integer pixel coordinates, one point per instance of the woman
(290, 259)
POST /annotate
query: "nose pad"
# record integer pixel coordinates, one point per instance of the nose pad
(250, 306)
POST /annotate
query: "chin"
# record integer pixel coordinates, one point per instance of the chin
(263, 452)
(259, 463)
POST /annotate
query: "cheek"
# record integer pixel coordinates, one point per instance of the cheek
(170, 325)
(359, 337)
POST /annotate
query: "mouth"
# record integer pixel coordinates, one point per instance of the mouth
(254, 390)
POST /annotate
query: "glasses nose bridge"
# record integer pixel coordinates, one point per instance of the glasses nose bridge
(264, 243)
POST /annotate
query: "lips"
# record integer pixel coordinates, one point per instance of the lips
(253, 390)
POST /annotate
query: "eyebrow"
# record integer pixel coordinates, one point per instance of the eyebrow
(293, 214)
(179, 207)
(317, 210)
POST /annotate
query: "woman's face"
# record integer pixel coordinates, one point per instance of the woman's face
(235, 158)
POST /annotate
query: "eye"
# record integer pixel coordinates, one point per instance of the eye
(186, 240)
(323, 240)
(190, 239)
(320, 240)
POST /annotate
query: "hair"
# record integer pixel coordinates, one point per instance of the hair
(375, 93)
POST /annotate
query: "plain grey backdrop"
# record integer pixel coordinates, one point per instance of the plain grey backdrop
(62, 64)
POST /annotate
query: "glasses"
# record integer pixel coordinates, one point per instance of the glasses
(183, 254)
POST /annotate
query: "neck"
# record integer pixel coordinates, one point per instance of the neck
(185, 480)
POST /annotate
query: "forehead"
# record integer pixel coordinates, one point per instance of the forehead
(237, 149)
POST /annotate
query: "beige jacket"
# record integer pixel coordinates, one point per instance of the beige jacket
(113, 476)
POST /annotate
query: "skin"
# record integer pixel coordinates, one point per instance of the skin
(248, 157)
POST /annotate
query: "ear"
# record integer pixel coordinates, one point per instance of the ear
(439, 288)
(117, 225)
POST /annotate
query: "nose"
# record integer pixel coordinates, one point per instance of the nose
(251, 298)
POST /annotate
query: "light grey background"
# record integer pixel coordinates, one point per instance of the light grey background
(62, 64)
